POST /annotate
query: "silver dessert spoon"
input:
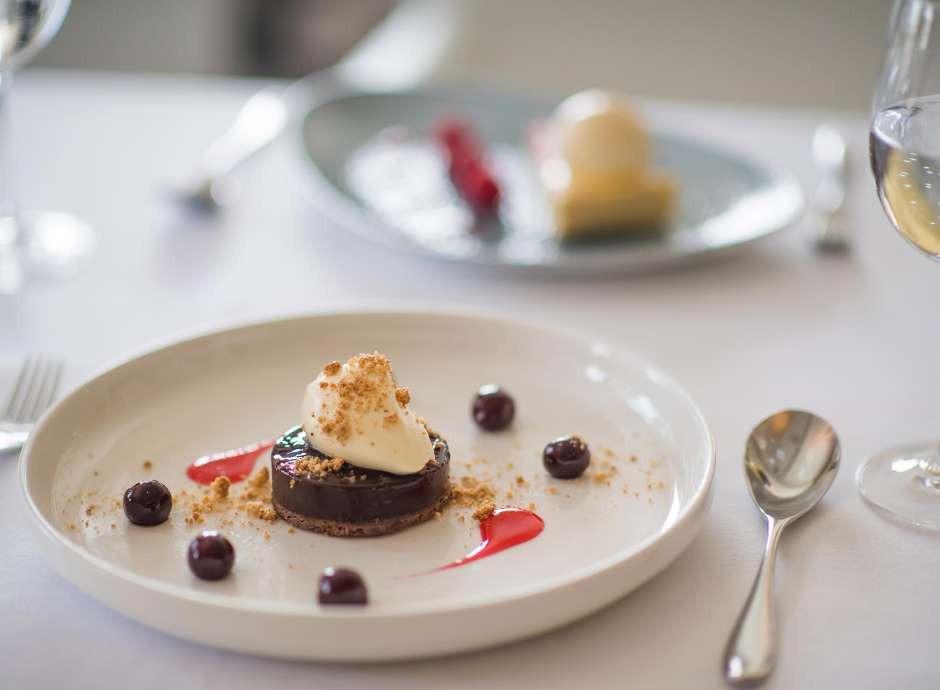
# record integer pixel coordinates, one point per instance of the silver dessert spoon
(790, 461)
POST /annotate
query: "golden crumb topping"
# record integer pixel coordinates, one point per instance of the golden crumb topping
(403, 396)
(361, 390)
(318, 466)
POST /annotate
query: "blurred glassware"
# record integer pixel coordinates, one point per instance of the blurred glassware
(904, 481)
(831, 230)
(31, 242)
(398, 53)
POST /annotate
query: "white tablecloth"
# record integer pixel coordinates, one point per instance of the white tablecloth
(853, 339)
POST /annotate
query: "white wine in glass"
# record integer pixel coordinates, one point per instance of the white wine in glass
(905, 158)
(904, 481)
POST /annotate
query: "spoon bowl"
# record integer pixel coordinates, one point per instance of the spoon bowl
(790, 462)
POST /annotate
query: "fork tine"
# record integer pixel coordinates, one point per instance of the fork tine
(46, 387)
(20, 390)
(31, 391)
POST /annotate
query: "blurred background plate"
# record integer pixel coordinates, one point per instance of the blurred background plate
(377, 173)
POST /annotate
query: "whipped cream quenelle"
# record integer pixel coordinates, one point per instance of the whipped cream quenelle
(595, 162)
(600, 132)
(354, 411)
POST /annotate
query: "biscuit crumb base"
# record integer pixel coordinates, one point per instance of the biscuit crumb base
(371, 528)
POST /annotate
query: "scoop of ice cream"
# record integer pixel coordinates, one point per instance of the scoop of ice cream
(354, 411)
(600, 132)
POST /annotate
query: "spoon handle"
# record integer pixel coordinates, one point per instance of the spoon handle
(752, 648)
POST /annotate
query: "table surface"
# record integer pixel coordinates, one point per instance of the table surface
(773, 327)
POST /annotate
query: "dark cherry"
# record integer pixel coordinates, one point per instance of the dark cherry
(148, 503)
(566, 457)
(211, 556)
(493, 408)
(342, 586)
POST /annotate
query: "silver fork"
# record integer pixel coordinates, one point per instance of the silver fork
(35, 389)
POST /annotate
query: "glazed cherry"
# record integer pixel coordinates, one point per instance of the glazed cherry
(342, 586)
(566, 457)
(493, 408)
(148, 503)
(211, 556)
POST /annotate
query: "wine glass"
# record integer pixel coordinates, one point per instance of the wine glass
(904, 481)
(31, 242)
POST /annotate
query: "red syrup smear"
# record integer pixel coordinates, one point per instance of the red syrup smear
(235, 464)
(505, 528)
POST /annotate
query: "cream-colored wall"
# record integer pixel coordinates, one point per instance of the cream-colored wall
(806, 52)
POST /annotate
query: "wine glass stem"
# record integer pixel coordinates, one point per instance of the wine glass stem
(11, 232)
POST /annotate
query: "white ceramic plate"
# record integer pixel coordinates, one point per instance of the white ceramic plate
(391, 186)
(233, 387)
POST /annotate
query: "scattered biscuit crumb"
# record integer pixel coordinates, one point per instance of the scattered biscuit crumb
(113, 526)
(219, 487)
(258, 486)
(90, 510)
(71, 525)
(484, 510)
(551, 490)
(520, 480)
(261, 510)
(632, 458)
(195, 518)
(532, 506)
(266, 535)
(471, 492)
(291, 530)
(148, 465)
(94, 473)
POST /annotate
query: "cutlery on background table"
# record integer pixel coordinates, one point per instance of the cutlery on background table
(400, 52)
(830, 233)
(35, 389)
(790, 462)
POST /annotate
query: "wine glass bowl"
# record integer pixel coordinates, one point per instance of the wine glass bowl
(32, 243)
(26, 26)
(904, 481)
